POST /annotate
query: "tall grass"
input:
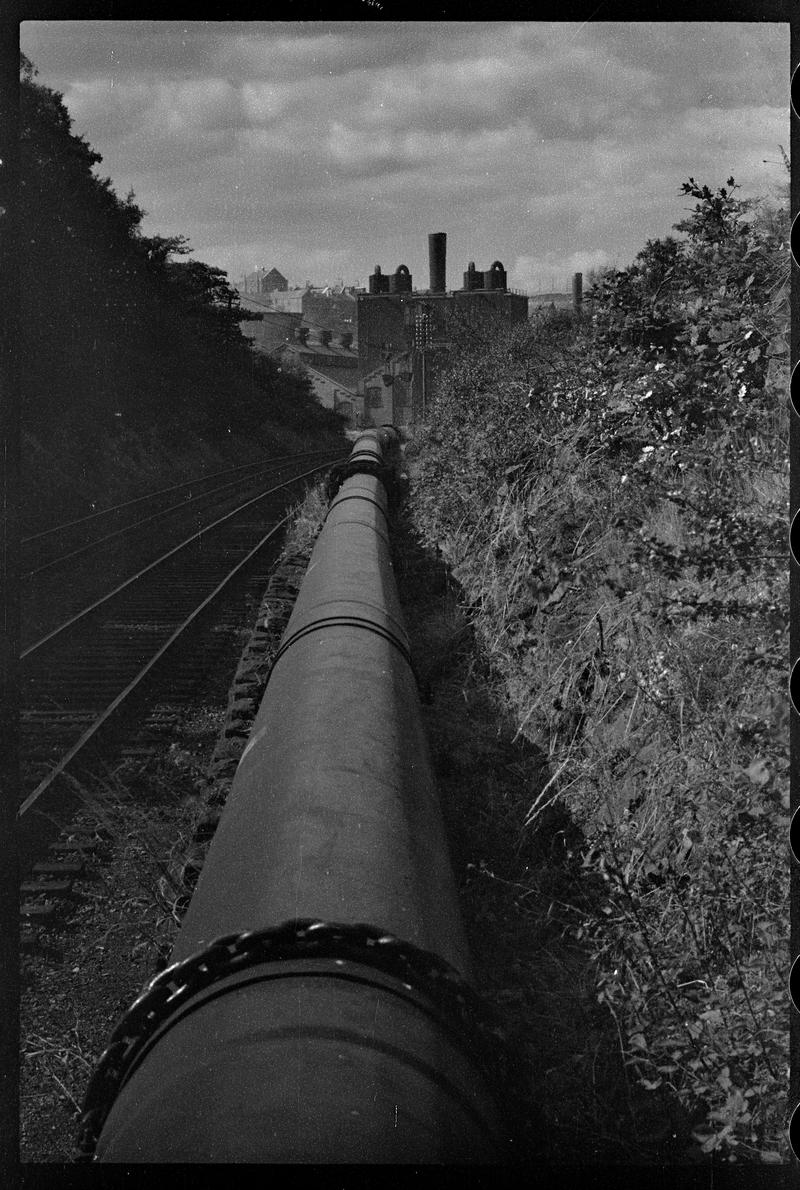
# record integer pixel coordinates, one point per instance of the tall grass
(624, 570)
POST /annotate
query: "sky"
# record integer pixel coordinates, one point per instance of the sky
(325, 148)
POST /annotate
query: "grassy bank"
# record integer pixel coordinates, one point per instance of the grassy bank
(611, 496)
(553, 938)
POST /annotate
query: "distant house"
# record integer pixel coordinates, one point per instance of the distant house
(332, 307)
(274, 282)
(263, 281)
(288, 300)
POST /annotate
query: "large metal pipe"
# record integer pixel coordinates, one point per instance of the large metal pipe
(330, 1044)
(437, 260)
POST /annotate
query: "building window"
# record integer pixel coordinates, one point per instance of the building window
(374, 398)
(422, 330)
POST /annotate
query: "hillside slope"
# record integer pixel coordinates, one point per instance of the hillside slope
(132, 361)
(611, 495)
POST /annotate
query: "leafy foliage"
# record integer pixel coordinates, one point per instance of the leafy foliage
(120, 331)
(611, 492)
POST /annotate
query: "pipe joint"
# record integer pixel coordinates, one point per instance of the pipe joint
(364, 464)
(423, 987)
(377, 453)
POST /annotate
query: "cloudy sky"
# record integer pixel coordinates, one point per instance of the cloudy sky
(323, 148)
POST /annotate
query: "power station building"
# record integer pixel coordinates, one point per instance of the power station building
(380, 366)
(400, 329)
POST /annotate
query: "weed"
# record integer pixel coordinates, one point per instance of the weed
(619, 539)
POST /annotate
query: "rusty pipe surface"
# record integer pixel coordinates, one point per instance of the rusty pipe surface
(323, 1055)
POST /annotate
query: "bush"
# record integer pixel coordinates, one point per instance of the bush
(611, 492)
(120, 333)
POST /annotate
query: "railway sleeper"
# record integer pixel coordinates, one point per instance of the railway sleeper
(49, 888)
(81, 833)
(49, 914)
(74, 846)
(32, 941)
(71, 867)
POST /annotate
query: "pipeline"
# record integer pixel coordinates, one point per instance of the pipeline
(349, 1032)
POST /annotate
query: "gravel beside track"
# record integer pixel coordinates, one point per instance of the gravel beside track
(245, 697)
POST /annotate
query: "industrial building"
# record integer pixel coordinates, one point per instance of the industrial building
(400, 330)
(331, 364)
(370, 354)
(313, 328)
(331, 307)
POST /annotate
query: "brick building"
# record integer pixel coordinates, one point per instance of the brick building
(372, 354)
(400, 329)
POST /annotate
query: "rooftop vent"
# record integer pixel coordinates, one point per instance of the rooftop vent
(377, 282)
(400, 281)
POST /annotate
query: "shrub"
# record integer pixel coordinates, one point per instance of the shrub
(611, 494)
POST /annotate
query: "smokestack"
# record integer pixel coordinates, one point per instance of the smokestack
(437, 257)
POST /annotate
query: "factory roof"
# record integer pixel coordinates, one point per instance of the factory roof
(332, 360)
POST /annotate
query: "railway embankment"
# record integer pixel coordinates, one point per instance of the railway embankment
(143, 831)
(613, 509)
(610, 492)
(530, 896)
(63, 476)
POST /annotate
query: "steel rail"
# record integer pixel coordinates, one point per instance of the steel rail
(117, 702)
(165, 492)
(51, 636)
(181, 506)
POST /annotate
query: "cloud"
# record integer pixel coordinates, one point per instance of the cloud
(524, 140)
(187, 108)
(728, 64)
(124, 50)
(553, 269)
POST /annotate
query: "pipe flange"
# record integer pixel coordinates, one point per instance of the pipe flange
(359, 465)
(458, 1008)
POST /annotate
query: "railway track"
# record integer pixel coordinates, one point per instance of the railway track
(87, 679)
(66, 565)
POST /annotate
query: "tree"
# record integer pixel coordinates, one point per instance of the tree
(120, 329)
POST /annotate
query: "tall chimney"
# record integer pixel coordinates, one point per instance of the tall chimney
(437, 257)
